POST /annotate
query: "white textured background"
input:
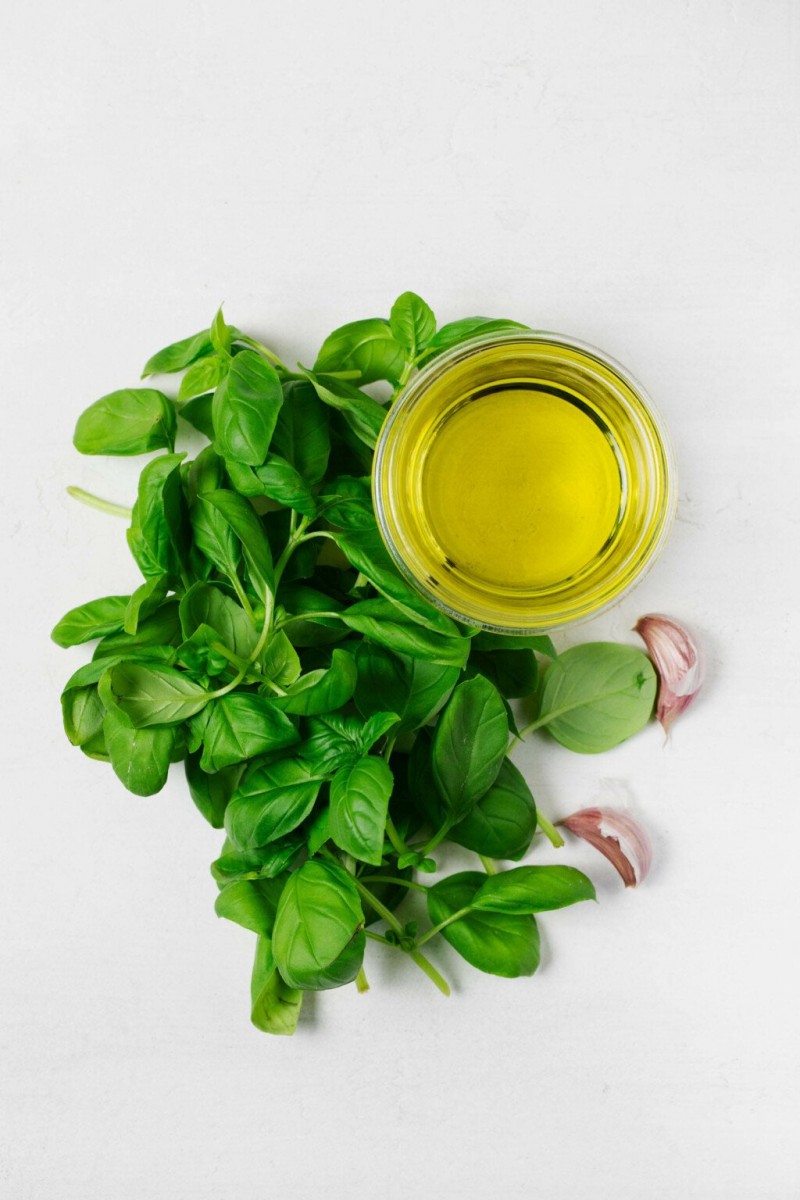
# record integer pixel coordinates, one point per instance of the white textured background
(624, 172)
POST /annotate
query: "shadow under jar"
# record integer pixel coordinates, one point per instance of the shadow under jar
(523, 482)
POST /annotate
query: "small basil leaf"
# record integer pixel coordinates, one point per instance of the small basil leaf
(359, 807)
(211, 792)
(389, 625)
(202, 376)
(412, 324)
(146, 600)
(364, 415)
(465, 330)
(275, 1005)
(179, 355)
(270, 801)
(247, 527)
(302, 434)
(503, 821)
(533, 889)
(198, 413)
(251, 903)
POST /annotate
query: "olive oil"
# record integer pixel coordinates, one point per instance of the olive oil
(522, 482)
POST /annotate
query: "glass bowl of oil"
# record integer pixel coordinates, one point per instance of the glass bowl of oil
(523, 481)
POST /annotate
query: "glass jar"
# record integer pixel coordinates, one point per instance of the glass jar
(523, 481)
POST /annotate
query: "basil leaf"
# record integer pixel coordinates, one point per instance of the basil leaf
(214, 537)
(359, 806)
(146, 600)
(158, 534)
(597, 695)
(275, 1006)
(533, 889)
(263, 862)
(347, 502)
(412, 324)
(241, 726)
(469, 745)
(130, 421)
(245, 409)
(389, 625)
(179, 355)
(82, 711)
(276, 479)
(153, 694)
(498, 943)
(221, 334)
(140, 758)
(321, 691)
(513, 672)
(503, 821)
(206, 604)
(202, 376)
(91, 620)
(247, 527)
(270, 801)
(465, 330)
(299, 600)
(211, 792)
(154, 637)
(302, 434)
(363, 414)
(539, 642)
(411, 687)
(251, 903)
(364, 548)
(319, 919)
(367, 347)
(198, 413)
(333, 741)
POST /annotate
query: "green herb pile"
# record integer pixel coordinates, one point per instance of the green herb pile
(338, 728)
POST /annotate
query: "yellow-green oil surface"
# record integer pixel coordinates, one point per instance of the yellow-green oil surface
(522, 483)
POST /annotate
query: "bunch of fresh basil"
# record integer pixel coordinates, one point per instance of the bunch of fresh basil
(337, 726)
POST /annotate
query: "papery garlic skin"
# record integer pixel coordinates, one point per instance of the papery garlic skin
(677, 660)
(616, 835)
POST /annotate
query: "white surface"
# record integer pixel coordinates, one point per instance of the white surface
(626, 173)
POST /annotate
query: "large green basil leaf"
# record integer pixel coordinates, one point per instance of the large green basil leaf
(247, 527)
(276, 479)
(92, 620)
(503, 821)
(302, 434)
(389, 625)
(263, 862)
(597, 695)
(319, 921)
(413, 688)
(140, 758)
(158, 536)
(321, 691)
(359, 806)
(469, 745)
(240, 726)
(245, 409)
(152, 694)
(499, 943)
(533, 889)
(130, 421)
(271, 801)
(364, 415)
(368, 347)
(214, 537)
(82, 711)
